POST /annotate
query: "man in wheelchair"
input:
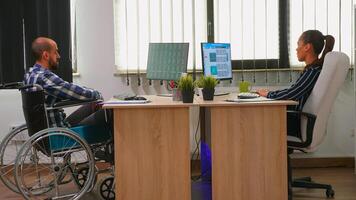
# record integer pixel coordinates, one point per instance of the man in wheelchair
(45, 51)
(61, 150)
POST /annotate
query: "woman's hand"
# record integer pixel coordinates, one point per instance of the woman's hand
(262, 92)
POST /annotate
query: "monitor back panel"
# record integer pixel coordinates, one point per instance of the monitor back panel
(167, 61)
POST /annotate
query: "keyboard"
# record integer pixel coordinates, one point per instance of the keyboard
(247, 95)
(135, 98)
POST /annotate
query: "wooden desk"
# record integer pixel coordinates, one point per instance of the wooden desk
(152, 150)
(249, 152)
(249, 149)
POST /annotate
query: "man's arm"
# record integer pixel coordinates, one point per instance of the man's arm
(59, 88)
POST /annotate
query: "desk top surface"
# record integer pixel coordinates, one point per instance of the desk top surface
(159, 101)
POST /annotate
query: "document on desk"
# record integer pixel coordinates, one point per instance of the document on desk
(118, 101)
(257, 99)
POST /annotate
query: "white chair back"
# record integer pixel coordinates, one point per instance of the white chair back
(321, 99)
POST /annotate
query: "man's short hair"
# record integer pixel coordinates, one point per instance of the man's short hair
(40, 45)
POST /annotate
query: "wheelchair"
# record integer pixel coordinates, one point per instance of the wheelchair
(10, 146)
(55, 163)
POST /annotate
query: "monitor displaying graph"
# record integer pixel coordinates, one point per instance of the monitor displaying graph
(167, 61)
(217, 60)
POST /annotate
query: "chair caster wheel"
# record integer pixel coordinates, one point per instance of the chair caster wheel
(330, 193)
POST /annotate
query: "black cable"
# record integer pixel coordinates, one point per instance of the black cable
(196, 150)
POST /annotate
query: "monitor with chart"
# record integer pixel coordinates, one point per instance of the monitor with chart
(167, 61)
(217, 60)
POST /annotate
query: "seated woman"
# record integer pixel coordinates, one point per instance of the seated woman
(310, 45)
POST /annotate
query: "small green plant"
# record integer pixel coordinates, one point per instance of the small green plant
(207, 82)
(186, 84)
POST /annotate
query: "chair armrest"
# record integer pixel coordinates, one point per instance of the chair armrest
(300, 113)
(61, 104)
(311, 118)
(72, 103)
(24, 87)
(14, 85)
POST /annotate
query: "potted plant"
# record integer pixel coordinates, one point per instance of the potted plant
(186, 86)
(208, 84)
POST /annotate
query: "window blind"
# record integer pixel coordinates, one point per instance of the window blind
(331, 17)
(251, 26)
(137, 23)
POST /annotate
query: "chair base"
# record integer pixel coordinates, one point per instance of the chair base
(306, 182)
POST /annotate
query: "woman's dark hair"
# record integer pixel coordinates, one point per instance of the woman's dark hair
(316, 38)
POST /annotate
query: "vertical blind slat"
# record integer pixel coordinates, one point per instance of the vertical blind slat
(239, 22)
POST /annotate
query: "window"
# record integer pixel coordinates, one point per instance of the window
(137, 23)
(251, 26)
(331, 17)
(73, 26)
(263, 33)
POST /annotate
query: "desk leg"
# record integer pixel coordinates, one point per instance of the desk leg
(249, 153)
(205, 144)
(152, 159)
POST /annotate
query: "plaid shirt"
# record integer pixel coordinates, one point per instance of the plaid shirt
(56, 90)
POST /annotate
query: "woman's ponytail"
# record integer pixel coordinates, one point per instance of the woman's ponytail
(329, 45)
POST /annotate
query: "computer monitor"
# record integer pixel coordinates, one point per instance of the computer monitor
(217, 60)
(167, 61)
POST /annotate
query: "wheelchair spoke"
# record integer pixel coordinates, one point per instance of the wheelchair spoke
(9, 149)
(48, 173)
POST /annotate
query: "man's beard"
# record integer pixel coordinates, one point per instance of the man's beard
(53, 65)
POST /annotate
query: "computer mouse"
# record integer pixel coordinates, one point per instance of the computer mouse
(140, 98)
(130, 98)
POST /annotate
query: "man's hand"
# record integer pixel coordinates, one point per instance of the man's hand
(95, 106)
(262, 92)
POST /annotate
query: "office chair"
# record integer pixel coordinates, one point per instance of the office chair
(315, 114)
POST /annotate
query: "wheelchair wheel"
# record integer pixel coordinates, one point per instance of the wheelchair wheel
(47, 159)
(9, 148)
(107, 188)
(80, 175)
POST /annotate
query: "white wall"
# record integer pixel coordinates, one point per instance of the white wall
(95, 39)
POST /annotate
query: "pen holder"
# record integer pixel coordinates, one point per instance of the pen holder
(177, 94)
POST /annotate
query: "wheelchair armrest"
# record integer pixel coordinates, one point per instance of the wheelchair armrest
(13, 85)
(311, 118)
(72, 103)
(24, 87)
